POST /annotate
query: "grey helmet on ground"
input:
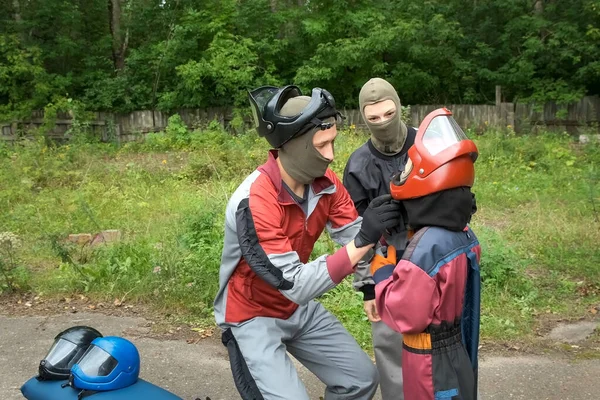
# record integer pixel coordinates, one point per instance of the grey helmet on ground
(67, 349)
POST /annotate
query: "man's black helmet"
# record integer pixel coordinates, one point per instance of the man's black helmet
(267, 102)
(68, 347)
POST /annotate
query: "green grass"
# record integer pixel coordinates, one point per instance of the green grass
(539, 221)
(538, 199)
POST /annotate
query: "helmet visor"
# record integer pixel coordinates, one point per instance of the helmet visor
(97, 362)
(442, 133)
(260, 97)
(63, 354)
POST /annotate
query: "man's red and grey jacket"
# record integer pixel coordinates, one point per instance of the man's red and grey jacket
(265, 269)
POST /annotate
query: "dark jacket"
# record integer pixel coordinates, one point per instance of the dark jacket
(367, 175)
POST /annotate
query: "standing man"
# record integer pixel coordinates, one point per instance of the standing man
(267, 286)
(367, 175)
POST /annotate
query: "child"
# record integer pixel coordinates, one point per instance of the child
(432, 295)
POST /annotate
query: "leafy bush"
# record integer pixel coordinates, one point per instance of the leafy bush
(177, 132)
(500, 264)
(13, 275)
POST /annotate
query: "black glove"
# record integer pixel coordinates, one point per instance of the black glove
(403, 225)
(381, 214)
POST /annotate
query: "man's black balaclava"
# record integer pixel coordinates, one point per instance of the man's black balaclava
(389, 136)
(299, 157)
(450, 209)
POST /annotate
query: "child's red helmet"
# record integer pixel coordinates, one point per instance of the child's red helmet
(441, 158)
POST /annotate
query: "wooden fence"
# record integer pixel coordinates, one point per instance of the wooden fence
(119, 127)
(583, 115)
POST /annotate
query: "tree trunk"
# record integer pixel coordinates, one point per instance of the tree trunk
(119, 43)
(538, 10)
(539, 7)
(17, 9)
(18, 20)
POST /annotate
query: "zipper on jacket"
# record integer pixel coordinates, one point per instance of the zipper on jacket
(304, 227)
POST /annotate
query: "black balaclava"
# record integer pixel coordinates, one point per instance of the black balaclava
(450, 209)
(299, 157)
(388, 137)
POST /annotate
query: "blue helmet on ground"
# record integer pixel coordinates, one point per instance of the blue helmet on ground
(110, 363)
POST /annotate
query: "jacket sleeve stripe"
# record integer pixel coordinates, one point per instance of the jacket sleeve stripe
(450, 257)
(252, 251)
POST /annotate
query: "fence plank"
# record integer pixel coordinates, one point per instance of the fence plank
(522, 117)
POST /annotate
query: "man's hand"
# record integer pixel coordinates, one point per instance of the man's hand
(371, 311)
(381, 215)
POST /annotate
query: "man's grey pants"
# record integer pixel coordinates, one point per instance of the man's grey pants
(262, 368)
(387, 346)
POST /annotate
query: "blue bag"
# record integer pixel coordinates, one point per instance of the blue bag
(53, 390)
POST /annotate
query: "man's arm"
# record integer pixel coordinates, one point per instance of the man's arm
(362, 276)
(269, 253)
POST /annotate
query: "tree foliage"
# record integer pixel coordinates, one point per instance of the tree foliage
(122, 55)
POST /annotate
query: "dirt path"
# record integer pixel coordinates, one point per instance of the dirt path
(189, 366)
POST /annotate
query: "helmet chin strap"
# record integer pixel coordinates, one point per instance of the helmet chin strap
(321, 124)
(86, 393)
(68, 383)
(83, 393)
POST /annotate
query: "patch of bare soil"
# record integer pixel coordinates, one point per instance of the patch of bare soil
(159, 326)
(162, 326)
(540, 341)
